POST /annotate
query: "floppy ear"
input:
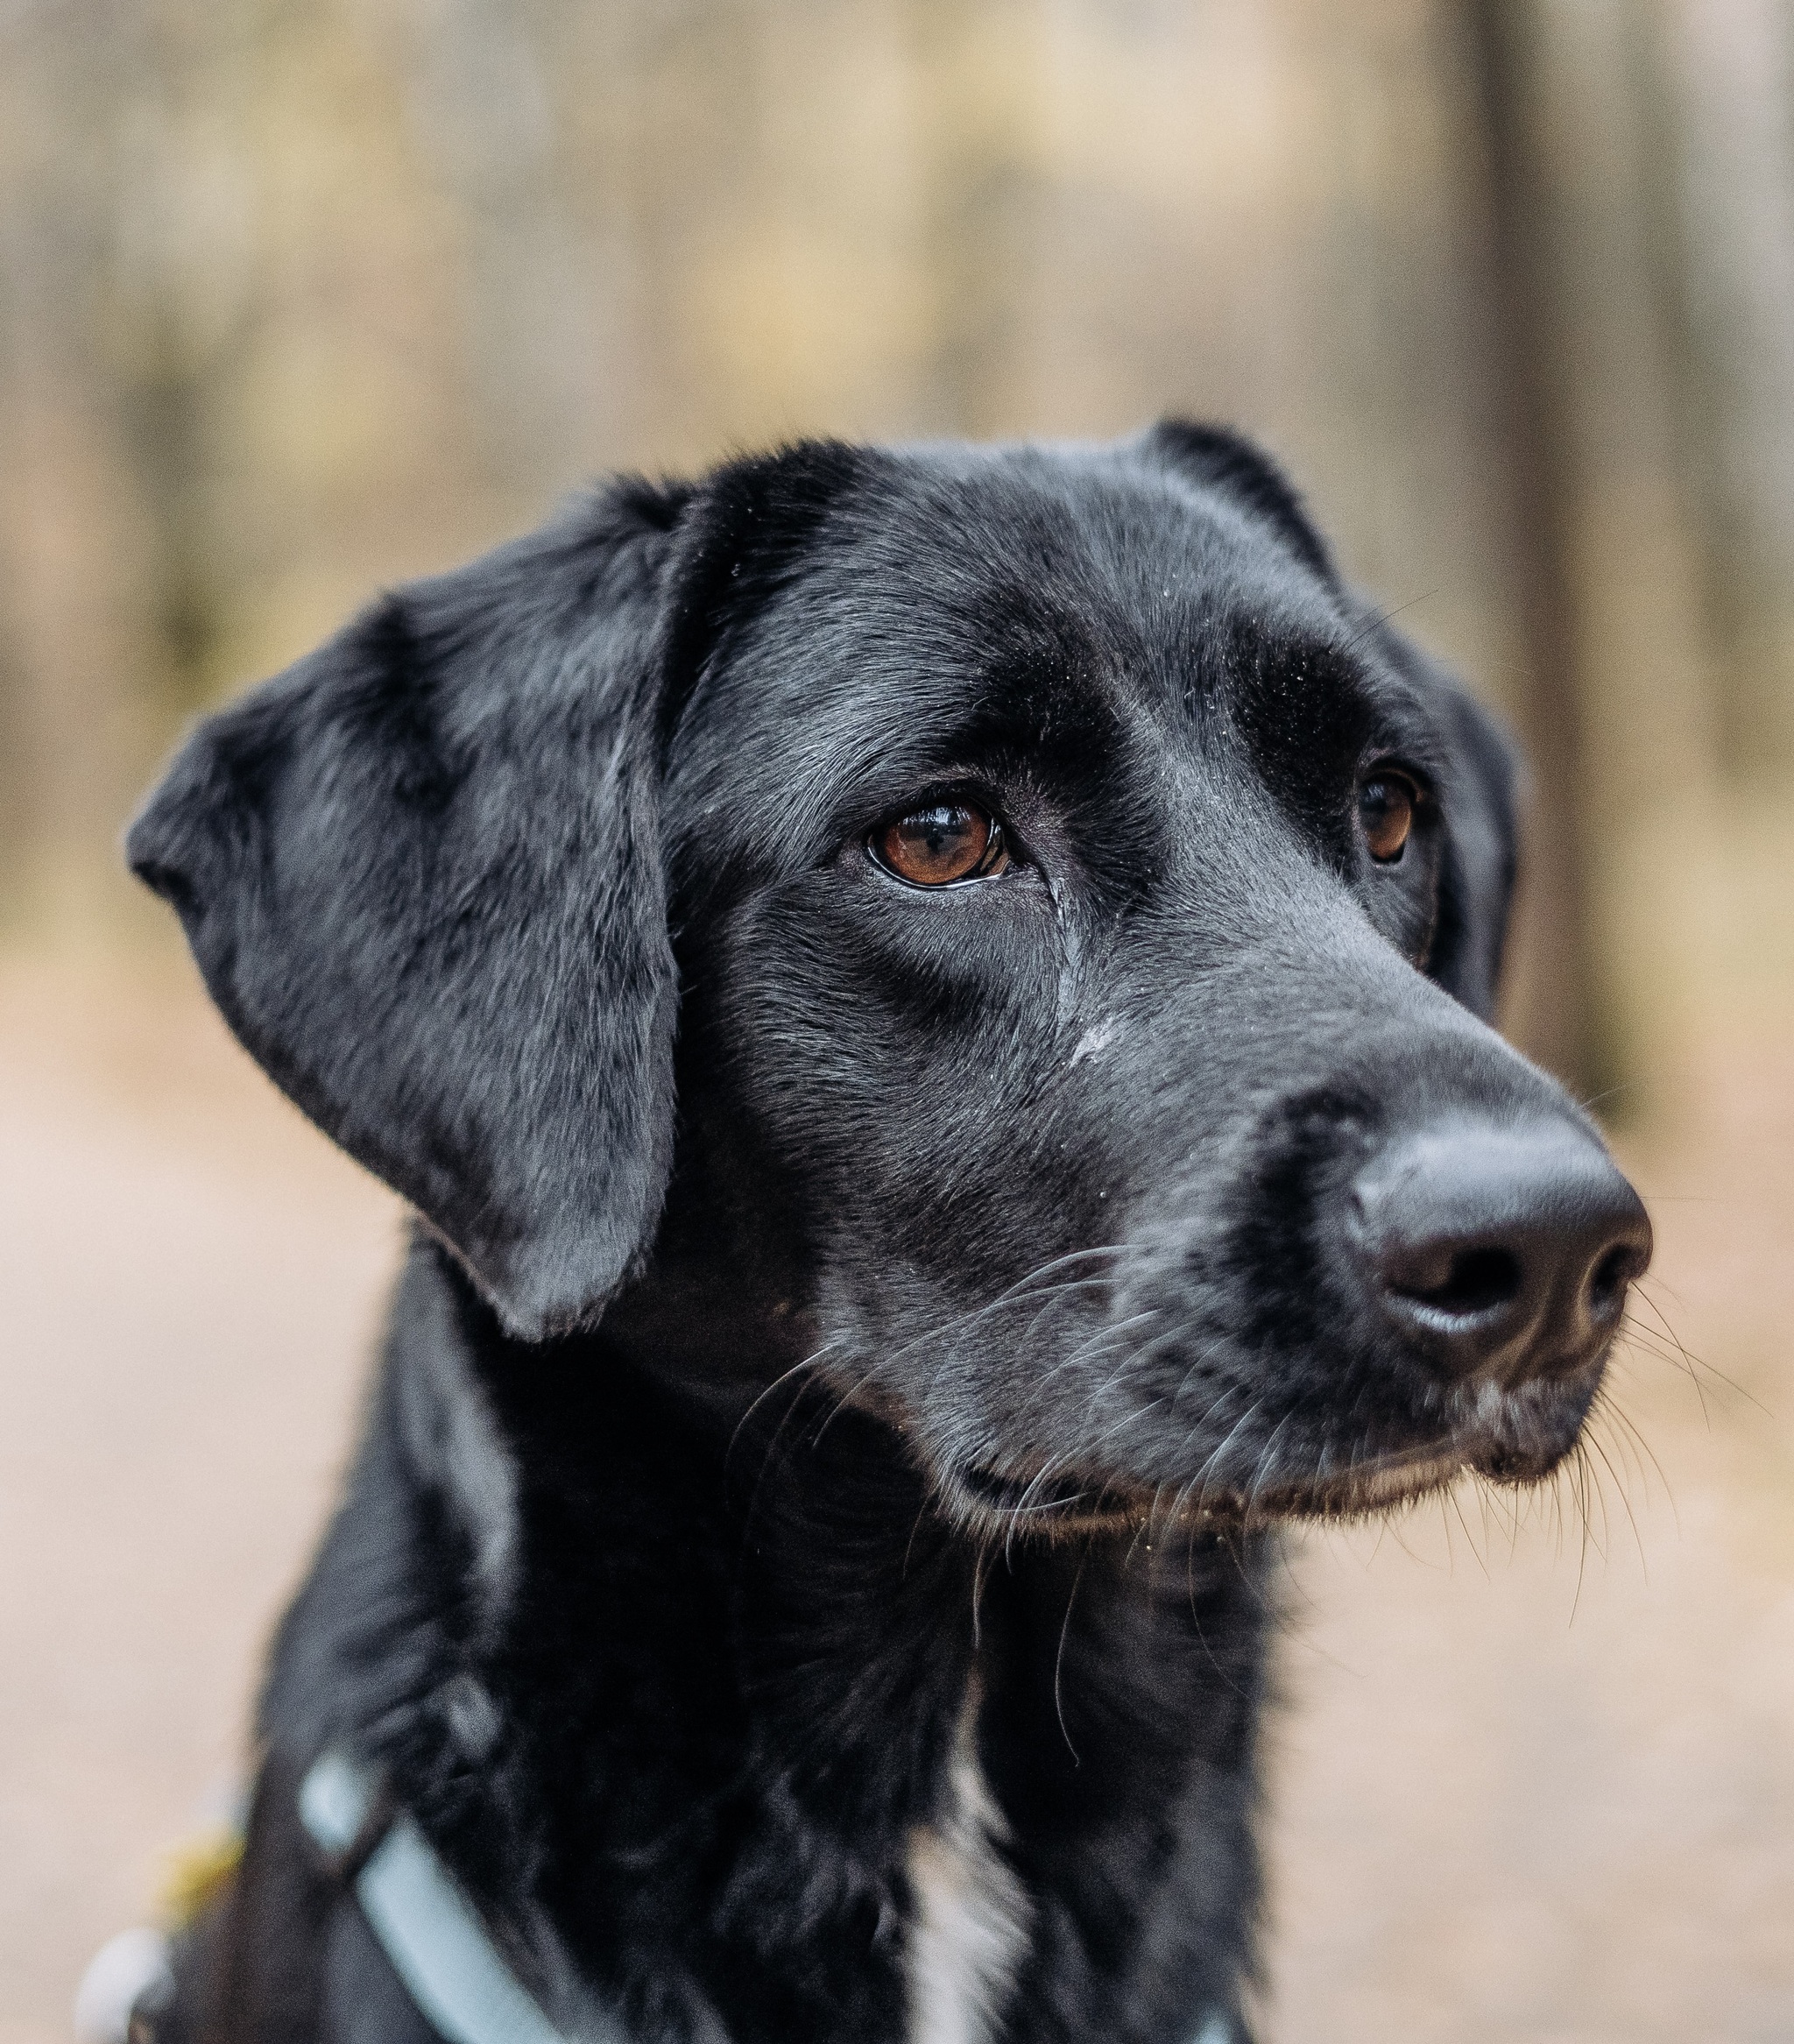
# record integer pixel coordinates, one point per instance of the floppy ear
(420, 872)
(1228, 462)
(1483, 855)
(1479, 799)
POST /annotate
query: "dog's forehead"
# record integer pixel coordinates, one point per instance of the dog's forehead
(1032, 599)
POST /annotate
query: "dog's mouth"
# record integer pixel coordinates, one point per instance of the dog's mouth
(1070, 1502)
(1056, 1499)
(1512, 1437)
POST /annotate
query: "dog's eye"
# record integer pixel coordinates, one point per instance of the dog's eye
(946, 841)
(1386, 805)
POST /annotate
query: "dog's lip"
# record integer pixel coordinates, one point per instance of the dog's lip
(1087, 1501)
(1020, 1496)
(1515, 1442)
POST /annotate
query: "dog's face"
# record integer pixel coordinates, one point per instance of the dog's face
(1081, 910)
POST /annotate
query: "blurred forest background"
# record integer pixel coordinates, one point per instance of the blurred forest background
(301, 297)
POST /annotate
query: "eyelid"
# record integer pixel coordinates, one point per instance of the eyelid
(974, 792)
(1424, 779)
(951, 795)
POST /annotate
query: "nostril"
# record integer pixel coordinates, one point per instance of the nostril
(1477, 1281)
(1608, 1280)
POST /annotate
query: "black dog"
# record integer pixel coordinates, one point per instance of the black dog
(929, 1004)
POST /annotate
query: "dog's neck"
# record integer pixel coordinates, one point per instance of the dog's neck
(733, 1719)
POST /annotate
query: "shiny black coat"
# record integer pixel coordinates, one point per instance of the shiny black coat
(848, 1321)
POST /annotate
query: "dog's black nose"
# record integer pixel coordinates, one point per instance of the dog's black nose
(1498, 1249)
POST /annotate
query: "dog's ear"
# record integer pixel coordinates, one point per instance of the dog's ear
(1479, 803)
(1482, 855)
(1226, 461)
(421, 874)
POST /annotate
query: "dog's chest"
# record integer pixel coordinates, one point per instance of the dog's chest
(971, 1921)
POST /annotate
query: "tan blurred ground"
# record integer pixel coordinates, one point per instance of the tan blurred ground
(1530, 1795)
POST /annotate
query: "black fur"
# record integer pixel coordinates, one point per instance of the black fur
(914, 1344)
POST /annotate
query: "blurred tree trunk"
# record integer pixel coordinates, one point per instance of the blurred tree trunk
(1526, 346)
(1615, 704)
(176, 271)
(15, 818)
(1726, 238)
(977, 91)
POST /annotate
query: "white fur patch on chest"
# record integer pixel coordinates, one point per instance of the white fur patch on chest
(972, 1915)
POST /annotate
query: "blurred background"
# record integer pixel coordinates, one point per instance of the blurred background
(300, 297)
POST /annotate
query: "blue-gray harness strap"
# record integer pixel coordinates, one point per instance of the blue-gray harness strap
(425, 1925)
(429, 1931)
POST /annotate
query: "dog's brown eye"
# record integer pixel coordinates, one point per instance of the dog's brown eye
(946, 842)
(1386, 805)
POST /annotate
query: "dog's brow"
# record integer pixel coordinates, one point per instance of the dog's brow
(907, 699)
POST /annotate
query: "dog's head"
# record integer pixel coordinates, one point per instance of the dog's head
(1008, 928)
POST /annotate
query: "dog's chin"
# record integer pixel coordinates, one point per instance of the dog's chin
(1514, 1437)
